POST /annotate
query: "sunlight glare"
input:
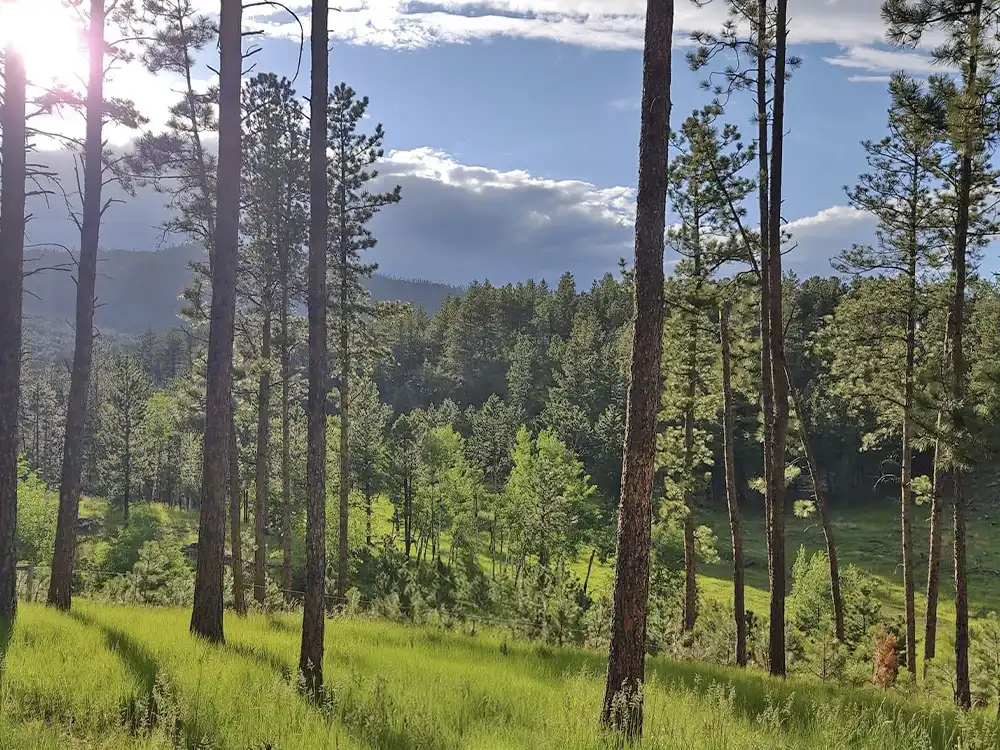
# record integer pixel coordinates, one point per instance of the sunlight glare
(48, 35)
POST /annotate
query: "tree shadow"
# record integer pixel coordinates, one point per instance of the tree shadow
(156, 707)
(260, 655)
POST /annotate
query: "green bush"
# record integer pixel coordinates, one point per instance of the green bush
(37, 512)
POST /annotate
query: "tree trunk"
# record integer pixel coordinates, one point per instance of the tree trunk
(128, 471)
(933, 561)
(236, 542)
(407, 514)
(956, 324)
(368, 515)
(622, 707)
(206, 616)
(822, 508)
(345, 388)
(776, 520)
(12, 177)
(61, 580)
(590, 566)
(286, 450)
(263, 465)
(732, 499)
(313, 624)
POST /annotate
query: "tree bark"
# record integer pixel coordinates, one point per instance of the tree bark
(286, 451)
(776, 351)
(61, 580)
(12, 177)
(822, 508)
(313, 623)
(622, 707)
(206, 616)
(407, 514)
(236, 542)
(345, 384)
(933, 562)
(956, 324)
(263, 476)
(906, 460)
(732, 498)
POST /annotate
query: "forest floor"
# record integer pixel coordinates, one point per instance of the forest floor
(116, 677)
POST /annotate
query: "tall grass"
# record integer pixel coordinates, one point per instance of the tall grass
(125, 677)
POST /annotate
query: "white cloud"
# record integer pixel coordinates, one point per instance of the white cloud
(869, 79)
(458, 222)
(881, 60)
(604, 24)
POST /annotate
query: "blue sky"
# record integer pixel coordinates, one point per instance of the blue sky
(512, 125)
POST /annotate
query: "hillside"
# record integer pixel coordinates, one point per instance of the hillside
(147, 683)
(139, 290)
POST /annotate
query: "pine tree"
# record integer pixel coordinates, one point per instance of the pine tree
(311, 654)
(902, 191)
(351, 208)
(622, 707)
(12, 190)
(123, 418)
(95, 166)
(273, 225)
(969, 31)
(206, 616)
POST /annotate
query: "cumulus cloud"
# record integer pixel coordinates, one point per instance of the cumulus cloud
(604, 24)
(882, 60)
(459, 222)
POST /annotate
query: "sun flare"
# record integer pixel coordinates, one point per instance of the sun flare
(48, 36)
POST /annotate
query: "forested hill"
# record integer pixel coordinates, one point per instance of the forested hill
(137, 291)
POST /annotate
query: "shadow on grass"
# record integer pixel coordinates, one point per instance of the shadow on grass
(156, 707)
(370, 722)
(276, 623)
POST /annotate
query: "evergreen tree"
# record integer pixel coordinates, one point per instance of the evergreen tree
(902, 191)
(969, 31)
(122, 420)
(351, 208)
(622, 707)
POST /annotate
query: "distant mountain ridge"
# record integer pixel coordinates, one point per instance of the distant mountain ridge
(137, 290)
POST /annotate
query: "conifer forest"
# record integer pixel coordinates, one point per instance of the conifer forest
(700, 500)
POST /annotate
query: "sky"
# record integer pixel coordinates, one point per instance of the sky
(512, 127)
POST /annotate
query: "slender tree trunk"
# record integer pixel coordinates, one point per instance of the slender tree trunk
(822, 508)
(622, 707)
(12, 177)
(407, 514)
(904, 517)
(128, 471)
(956, 323)
(776, 519)
(345, 386)
(906, 460)
(690, 613)
(206, 616)
(933, 560)
(313, 624)
(236, 542)
(61, 580)
(732, 498)
(368, 515)
(263, 464)
(590, 567)
(286, 451)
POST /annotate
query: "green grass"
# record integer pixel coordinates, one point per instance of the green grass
(94, 679)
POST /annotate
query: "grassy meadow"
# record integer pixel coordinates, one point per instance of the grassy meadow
(116, 677)
(120, 677)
